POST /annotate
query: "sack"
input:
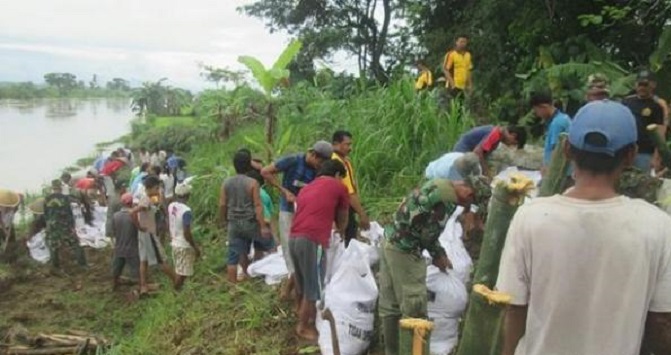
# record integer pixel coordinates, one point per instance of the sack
(333, 256)
(373, 236)
(272, 267)
(447, 299)
(444, 335)
(38, 247)
(450, 240)
(351, 295)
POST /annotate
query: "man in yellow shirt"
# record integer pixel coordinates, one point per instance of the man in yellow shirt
(342, 146)
(457, 67)
(425, 79)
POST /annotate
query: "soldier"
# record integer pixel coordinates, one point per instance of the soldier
(418, 223)
(60, 226)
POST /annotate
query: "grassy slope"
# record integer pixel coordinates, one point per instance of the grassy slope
(209, 317)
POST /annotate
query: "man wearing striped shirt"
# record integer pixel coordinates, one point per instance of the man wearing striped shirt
(342, 147)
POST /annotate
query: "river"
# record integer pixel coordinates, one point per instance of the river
(38, 139)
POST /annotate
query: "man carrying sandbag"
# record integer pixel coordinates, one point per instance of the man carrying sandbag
(417, 225)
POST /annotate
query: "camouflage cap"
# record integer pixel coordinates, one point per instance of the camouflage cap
(56, 184)
(468, 165)
(481, 188)
(436, 191)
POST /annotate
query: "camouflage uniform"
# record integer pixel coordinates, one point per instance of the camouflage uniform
(60, 228)
(403, 290)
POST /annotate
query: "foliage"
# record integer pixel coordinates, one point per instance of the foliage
(178, 137)
(224, 110)
(118, 84)
(222, 75)
(158, 99)
(268, 79)
(63, 82)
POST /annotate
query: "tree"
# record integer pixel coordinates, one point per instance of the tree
(64, 82)
(222, 75)
(93, 84)
(269, 79)
(326, 26)
(118, 84)
(158, 99)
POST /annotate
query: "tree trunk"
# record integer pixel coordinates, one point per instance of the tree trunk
(270, 130)
(380, 42)
(482, 325)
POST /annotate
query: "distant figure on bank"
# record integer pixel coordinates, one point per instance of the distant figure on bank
(647, 111)
(241, 211)
(597, 88)
(125, 235)
(564, 254)
(320, 204)
(66, 180)
(425, 78)
(60, 226)
(185, 252)
(342, 147)
(457, 68)
(556, 123)
(484, 140)
(297, 171)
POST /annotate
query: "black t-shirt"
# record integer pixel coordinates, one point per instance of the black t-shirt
(647, 111)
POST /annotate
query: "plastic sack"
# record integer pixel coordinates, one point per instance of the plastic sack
(447, 300)
(272, 267)
(334, 255)
(38, 247)
(664, 196)
(352, 298)
(450, 240)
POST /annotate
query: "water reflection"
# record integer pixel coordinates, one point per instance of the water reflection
(61, 108)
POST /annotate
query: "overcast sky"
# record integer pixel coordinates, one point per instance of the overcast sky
(134, 39)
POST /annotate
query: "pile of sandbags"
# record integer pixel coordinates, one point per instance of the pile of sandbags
(351, 297)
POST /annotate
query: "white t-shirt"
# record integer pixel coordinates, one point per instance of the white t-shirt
(179, 215)
(168, 185)
(589, 271)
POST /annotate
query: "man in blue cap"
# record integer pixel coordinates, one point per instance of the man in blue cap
(589, 271)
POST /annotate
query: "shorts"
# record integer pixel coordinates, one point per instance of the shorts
(264, 244)
(150, 248)
(241, 234)
(308, 270)
(184, 259)
(119, 262)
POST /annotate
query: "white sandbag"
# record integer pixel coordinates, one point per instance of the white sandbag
(450, 240)
(447, 299)
(373, 236)
(333, 256)
(444, 335)
(352, 297)
(447, 294)
(93, 235)
(664, 196)
(38, 247)
(272, 267)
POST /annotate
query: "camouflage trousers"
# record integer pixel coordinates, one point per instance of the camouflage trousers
(403, 292)
(55, 240)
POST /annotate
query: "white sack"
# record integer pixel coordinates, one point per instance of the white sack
(38, 247)
(272, 267)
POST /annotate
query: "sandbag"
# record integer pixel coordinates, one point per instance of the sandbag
(450, 240)
(38, 247)
(272, 267)
(444, 336)
(447, 294)
(351, 295)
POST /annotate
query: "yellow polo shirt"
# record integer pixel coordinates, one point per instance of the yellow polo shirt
(348, 179)
(460, 65)
(424, 81)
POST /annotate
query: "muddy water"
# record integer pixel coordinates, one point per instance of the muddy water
(39, 138)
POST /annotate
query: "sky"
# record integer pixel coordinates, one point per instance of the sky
(138, 40)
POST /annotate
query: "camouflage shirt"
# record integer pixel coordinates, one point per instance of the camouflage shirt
(413, 229)
(58, 215)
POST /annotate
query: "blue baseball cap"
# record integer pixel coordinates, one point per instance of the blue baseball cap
(603, 127)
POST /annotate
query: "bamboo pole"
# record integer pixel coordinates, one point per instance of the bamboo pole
(482, 325)
(414, 336)
(555, 175)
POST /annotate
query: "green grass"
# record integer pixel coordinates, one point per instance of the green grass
(166, 121)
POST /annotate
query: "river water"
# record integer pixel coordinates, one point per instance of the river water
(39, 138)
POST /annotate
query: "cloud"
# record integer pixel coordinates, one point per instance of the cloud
(139, 40)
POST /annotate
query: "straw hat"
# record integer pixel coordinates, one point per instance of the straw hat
(37, 206)
(9, 198)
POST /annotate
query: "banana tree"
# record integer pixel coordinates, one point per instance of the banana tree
(269, 79)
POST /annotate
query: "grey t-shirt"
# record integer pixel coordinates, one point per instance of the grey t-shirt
(125, 233)
(239, 199)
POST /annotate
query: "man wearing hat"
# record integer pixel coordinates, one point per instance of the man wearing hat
(647, 111)
(60, 226)
(9, 204)
(454, 166)
(297, 171)
(597, 87)
(418, 223)
(184, 248)
(124, 231)
(589, 271)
